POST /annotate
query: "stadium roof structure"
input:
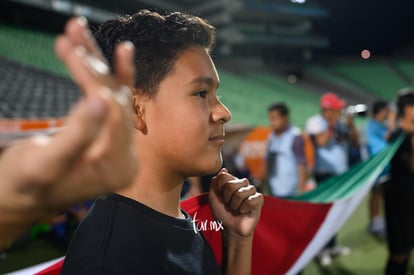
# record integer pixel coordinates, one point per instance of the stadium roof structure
(251, 27)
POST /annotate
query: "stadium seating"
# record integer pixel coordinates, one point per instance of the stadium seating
(30, 47)
(407, 67)
(376, 77)
(249, 94)
(27, 92)
(323, 72)
(303, 102)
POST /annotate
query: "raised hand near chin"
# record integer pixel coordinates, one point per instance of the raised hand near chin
(236, 203)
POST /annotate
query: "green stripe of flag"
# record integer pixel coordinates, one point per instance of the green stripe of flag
(347, 184)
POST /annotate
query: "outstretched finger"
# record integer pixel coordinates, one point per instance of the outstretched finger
(77, 30)
(124, 64)
(118, 130)
(89, 72)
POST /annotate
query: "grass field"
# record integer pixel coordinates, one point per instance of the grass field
(368, 255)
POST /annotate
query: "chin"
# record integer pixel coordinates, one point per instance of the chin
(212, 167)
(215, 170)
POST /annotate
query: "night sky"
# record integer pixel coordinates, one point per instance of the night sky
(383, 27)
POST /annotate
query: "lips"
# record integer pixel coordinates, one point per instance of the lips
(217, 138)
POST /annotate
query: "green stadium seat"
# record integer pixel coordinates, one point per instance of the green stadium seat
(31, 48)
(376, 77)
(249, 94)
(407, 67)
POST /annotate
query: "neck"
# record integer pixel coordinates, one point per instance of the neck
(160, 193)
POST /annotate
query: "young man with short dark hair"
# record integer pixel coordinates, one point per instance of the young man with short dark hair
(285, 157)
(179, 132)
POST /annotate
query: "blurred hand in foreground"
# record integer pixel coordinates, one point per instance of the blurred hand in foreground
(93, 154)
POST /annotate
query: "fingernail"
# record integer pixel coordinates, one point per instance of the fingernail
(235, 181)
(128, 44)
(123, 96)
(41, 140)
(97, 65)
(80, 51)
(82, 21)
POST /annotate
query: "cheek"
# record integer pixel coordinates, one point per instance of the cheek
(336, 116)
(182, 129)
(275, 123)
(411, 119)
(410, 124)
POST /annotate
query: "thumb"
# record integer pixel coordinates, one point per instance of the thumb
(82, 126)
(214, 181)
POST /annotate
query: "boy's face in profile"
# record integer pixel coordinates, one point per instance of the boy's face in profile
(185, 120)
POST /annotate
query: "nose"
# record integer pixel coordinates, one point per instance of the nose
(220, 112)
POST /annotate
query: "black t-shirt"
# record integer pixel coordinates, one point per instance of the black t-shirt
(402, 177)
(122, 236)
(399, 200)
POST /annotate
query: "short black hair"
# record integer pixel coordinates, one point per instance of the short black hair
(159, 39)
(279, 107)
(405, 98)
(378, 106)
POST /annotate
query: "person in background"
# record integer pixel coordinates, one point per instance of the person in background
(399, 191)
(93, 154)
(317, 129)
(285, 157)
(377, 135)
(332, 159)
(332, 155)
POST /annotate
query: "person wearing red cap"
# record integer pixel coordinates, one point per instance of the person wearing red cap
(333, 157)
(330, 100)
(342, 131)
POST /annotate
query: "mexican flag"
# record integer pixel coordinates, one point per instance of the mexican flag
(291, 232)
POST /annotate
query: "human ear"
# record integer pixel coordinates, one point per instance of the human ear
(139, 111)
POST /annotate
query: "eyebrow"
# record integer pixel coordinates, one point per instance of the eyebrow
(205, 80)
